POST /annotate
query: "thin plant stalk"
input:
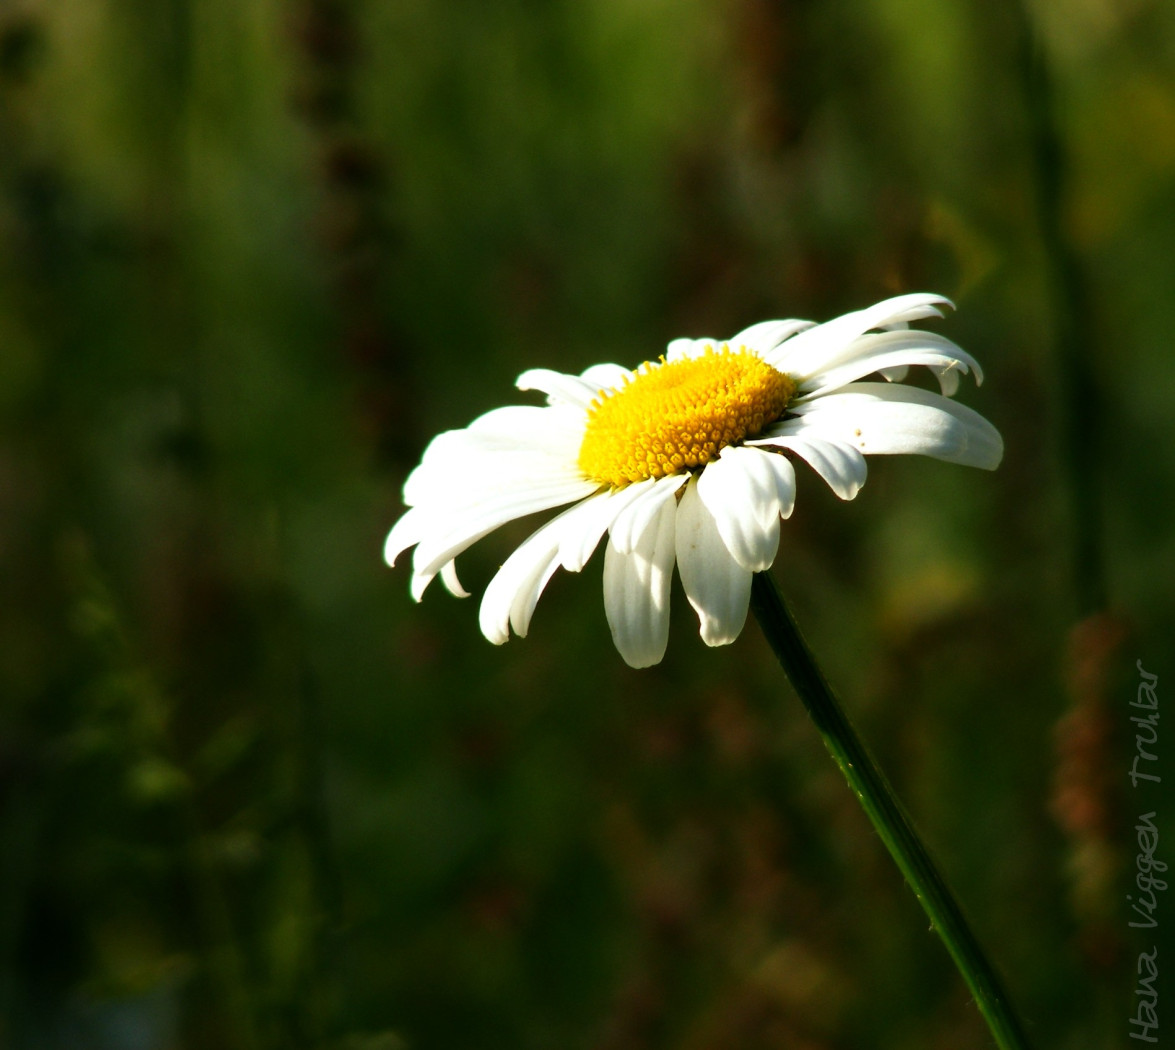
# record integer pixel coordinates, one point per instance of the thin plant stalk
(885, 812)
(1071, 302)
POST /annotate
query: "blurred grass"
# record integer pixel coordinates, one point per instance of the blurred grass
(254, 255)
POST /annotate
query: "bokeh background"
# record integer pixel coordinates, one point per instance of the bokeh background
(253, 254)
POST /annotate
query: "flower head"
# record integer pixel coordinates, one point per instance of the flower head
(684, 460)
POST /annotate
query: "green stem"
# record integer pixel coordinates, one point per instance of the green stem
(885, 811)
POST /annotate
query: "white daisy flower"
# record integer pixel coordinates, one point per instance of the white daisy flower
(684, 460)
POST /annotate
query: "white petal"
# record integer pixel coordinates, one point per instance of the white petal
(636, 589)
(451, 582)
(684, 348)
(528, 427)
(878, 351)
(741, 491)
(766, 336)
(513, 593)
(418, 584)
(810, 351)
(606, 376)
(431, 476)
(404, 534)
(453, 531)
(716, 585)
(517, 442)
(835, 460)
(559, 387)
(881, 420)
(632, 522)
(785, 482)
(472, 478)
(948, 379)
(599, 513)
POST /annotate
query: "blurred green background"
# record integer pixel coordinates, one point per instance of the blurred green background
(254, 254)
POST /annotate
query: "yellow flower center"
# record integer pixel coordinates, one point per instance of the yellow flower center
(674, 416)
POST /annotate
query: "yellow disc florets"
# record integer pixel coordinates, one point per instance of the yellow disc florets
(677, 415)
